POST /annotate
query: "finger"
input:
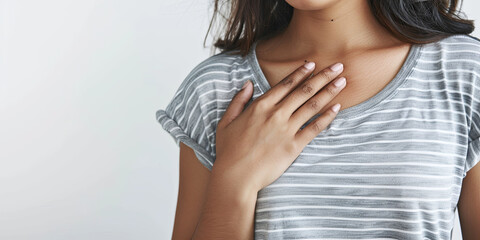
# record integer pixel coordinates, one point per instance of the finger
(316, 104)
(309, 88)
(287, 84)
(307, 134)
(237, 104)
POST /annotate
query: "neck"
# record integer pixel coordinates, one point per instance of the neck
(334, 31)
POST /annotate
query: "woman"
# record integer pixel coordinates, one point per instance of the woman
(391, 163)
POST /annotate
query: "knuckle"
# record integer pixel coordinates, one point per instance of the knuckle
(324, 74)
(292, 78)
(277, 115)
(317, 126)
(331, 91)
(288, 81)
(307, 88)
(259, 106)
(251, 121)
(328, 74)
(314, 104)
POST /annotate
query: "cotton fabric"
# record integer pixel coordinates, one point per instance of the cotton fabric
(390, 167)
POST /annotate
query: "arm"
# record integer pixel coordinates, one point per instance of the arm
(221, 216)
(469, 204)
(229, 209)
(191, 193)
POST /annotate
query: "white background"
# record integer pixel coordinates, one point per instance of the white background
(82, 156)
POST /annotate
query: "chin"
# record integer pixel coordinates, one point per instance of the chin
(312, 4)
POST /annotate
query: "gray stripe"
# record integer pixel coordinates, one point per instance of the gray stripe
(389, 167)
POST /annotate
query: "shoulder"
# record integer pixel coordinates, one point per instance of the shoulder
(462, 49)
(457, 41)
(209, 87)
(205, 93)
(217, 72)
(462, 38)
(213, 82)
(452, 64)
(454, 57)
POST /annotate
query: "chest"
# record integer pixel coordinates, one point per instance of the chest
(396, 158)
(366, 73)
(401, 161)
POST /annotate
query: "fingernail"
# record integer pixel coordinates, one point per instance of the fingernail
(336, 107)
(336, 67)
(245, 84)
(339, 82)
(309, 65)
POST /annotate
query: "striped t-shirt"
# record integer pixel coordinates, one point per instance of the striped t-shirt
(389, 167)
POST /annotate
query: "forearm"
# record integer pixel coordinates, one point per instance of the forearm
(228, 211)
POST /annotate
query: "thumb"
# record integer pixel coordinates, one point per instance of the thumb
(237, 104)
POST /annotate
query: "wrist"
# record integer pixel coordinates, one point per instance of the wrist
(232, 184)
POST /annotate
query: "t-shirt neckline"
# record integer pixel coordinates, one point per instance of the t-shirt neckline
(387, 91)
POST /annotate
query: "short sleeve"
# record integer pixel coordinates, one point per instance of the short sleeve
(184, 120)
(473, 155)
(473, 150)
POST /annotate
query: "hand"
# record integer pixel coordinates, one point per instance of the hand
(256, 145)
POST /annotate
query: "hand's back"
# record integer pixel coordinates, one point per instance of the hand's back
(191, 193)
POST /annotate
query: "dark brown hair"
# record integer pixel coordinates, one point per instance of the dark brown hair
(412, 21)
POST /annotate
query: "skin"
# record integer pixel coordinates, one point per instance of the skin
(362, 45)
(469, 204)
(192, 188)
(220, 204)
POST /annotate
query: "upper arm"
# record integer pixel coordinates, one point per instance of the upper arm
(193, 182)
(469, 201)
(469, 204)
